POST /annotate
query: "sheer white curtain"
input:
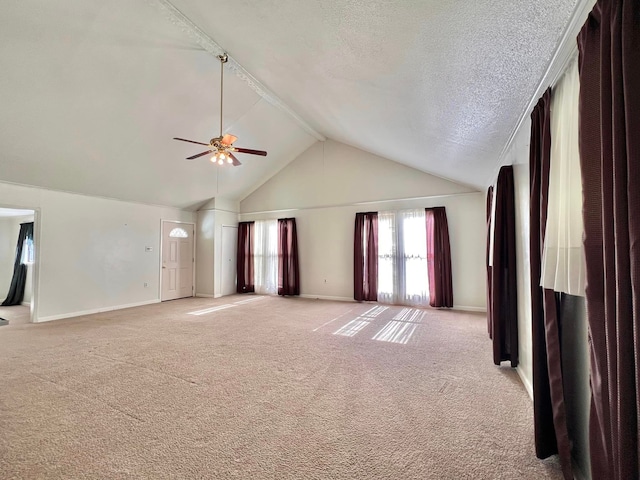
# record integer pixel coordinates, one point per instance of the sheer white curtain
(563, 263)
(402, 258)
(414, 286)
(265, 256)
(387, 257)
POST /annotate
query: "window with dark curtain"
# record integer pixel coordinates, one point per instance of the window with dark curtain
(504, 313)
(244, 264)
(365, 257)
(439, 258)
(288, 268)
(19, 278)
(609, 138)
(551, 435)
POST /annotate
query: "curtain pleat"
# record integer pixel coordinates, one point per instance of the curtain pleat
(19, 278)
(551, 435)
(504, 313)
(609, 46)
(365, 257)
(439, 258)
(288, 268)
(488, 255)
(244, 263)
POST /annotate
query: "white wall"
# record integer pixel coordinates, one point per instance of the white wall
(205, 232)
(518, 156)
(211, 218)
(332, 173)
(324, 194)
(90, 252)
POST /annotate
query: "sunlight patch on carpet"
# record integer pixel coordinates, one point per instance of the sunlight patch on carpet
(394, 324)
(249, 300)
(352, 328)
(396, 332)
(211, 310)
(374, 312)
(410, 315)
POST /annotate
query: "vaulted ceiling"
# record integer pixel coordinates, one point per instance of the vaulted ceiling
(91, 92)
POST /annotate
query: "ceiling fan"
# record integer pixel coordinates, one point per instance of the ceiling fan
(222, 146)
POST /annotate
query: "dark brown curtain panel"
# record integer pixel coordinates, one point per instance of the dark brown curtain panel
(439, 258)
(244, 263)
(504, 314)
(550, 423)
(365, 257)
(489, 209)
(288, 268)
(609, 137)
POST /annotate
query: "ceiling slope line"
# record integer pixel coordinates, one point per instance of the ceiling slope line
(180, 20)
(565, 52)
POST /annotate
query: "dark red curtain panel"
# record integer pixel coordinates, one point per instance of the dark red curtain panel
(489, 208)
(551, 435)
(244, 263)
(439, 258)
(288, 267)
(365, 257)
(609, 137)
(504, 314)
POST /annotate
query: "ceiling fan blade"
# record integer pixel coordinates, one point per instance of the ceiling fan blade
(190, 141)
(236, 162)
(198, 155)
(228, 139)
(252, 152)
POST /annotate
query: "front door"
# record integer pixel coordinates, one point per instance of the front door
(177, 260)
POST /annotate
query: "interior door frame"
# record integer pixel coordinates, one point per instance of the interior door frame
(193, 273)
(35, 275)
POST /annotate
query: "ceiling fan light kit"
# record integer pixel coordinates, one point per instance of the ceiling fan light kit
(222, 146)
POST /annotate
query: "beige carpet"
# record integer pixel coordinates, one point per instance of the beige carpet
(268, 388)
(16, 314)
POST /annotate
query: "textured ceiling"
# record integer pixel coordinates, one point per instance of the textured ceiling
(92, 94)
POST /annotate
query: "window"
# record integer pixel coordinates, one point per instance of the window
(402, 258)
(27, 251)
(178, 233)
(265, 256)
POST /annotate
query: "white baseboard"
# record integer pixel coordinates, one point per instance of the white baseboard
(463, 308)
(327, 297)
(92, 311)
(204, 295)
(466, 308)
(526, 382)
(26, 304)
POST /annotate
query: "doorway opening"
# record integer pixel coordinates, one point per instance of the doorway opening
(18, 265)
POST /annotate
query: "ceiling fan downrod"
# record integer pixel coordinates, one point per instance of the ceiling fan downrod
(223, 59)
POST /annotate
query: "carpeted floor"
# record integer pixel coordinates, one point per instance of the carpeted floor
(16, 314)
(250, 387)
